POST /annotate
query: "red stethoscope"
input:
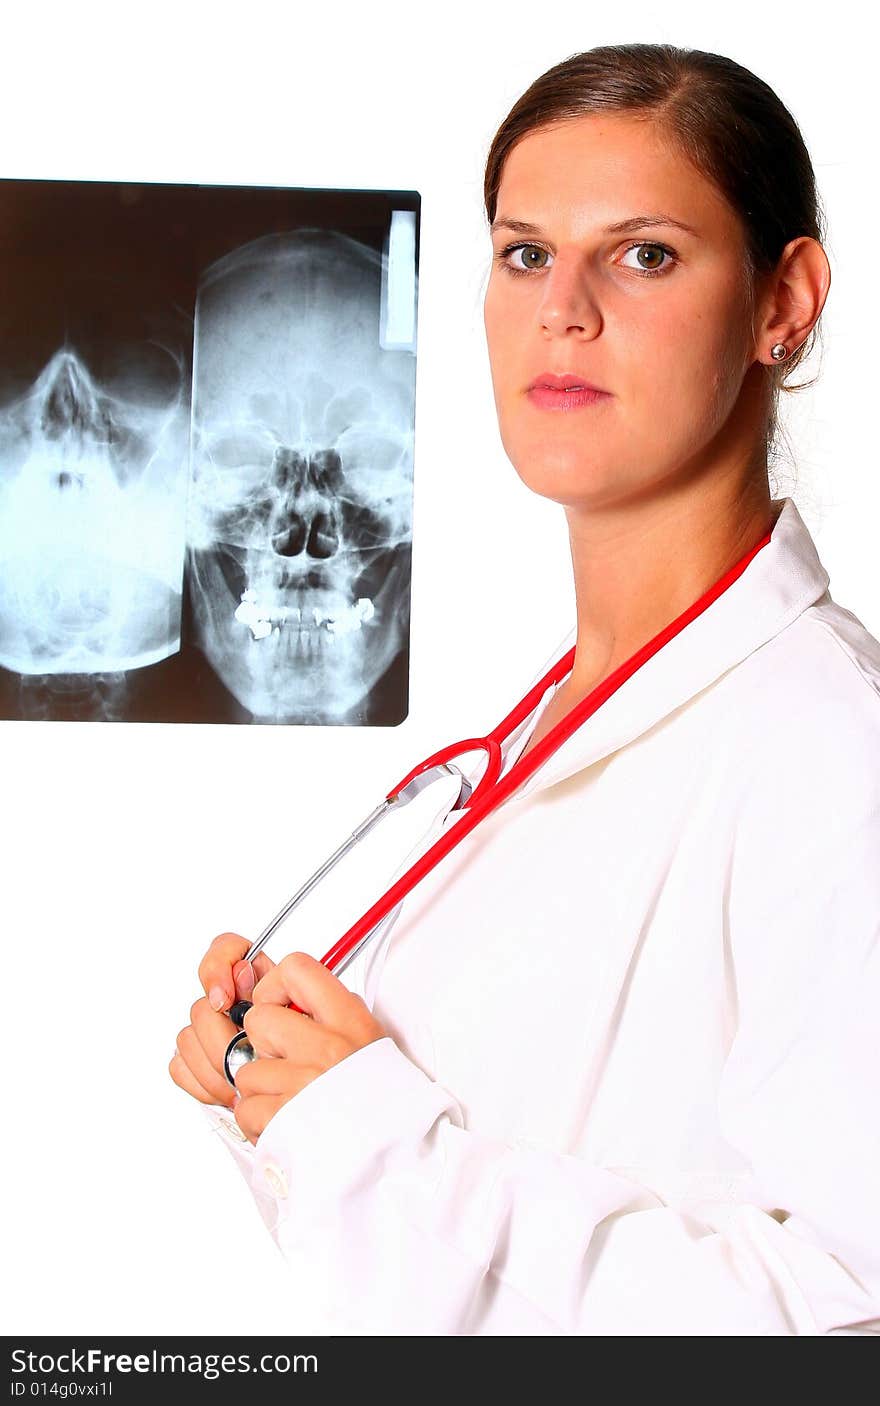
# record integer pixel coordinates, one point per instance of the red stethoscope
(477, 803)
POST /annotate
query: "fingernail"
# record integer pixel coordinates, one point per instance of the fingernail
(244, 982)
(218, 998)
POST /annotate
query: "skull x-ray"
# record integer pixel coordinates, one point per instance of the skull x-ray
(92, 497)
(206, 450)
(301, 499)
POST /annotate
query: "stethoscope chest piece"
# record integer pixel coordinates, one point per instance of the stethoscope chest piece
(239, 1051)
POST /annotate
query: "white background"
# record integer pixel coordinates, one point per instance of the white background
(126, 848)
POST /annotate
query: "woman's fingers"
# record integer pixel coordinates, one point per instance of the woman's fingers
(252, 1114)
(245, 975)
(202, 1046)
(216, 970)
(197, 1065)
(186, 1080)
(214, 1030)
(202, 1070)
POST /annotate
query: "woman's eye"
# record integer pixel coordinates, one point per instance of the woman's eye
(529, 263)
(656, 253)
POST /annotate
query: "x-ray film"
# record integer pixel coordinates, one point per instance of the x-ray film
(207, 403)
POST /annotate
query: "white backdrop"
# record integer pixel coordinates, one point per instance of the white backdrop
(126, 847)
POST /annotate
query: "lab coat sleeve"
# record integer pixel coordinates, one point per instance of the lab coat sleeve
(403, 1221)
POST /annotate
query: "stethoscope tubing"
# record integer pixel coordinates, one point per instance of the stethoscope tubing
(491, 791)
(501, 788)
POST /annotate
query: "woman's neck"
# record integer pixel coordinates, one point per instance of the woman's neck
(637, 566)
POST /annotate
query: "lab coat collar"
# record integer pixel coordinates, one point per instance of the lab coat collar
(776, 587)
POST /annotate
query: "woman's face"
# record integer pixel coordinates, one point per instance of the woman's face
(573, 297)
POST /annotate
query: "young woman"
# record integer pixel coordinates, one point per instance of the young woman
(614, 1070)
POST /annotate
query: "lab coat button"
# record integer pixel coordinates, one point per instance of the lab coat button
(223, 1125)
(276, 1179)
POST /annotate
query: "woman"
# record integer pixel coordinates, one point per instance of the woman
(614, 1071)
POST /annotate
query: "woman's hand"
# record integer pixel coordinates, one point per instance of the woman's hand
(292, 1048)
(197, 1065)
(225, 977)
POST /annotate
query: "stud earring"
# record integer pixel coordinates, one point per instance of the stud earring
(779, 351)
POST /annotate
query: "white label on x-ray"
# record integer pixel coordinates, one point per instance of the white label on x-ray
(397, 328)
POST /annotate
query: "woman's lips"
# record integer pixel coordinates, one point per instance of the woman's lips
(549, 399)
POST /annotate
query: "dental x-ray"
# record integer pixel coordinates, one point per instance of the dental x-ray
(206, 445)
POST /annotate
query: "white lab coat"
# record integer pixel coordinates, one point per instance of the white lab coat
(632, 1079)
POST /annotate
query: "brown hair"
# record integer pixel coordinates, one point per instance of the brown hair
(722, 117)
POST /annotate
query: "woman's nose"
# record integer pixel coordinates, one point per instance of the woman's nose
(569, 301)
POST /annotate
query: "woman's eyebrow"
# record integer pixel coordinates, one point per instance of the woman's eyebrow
(621, 227)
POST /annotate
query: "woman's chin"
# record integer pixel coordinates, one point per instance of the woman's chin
(569, 479)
